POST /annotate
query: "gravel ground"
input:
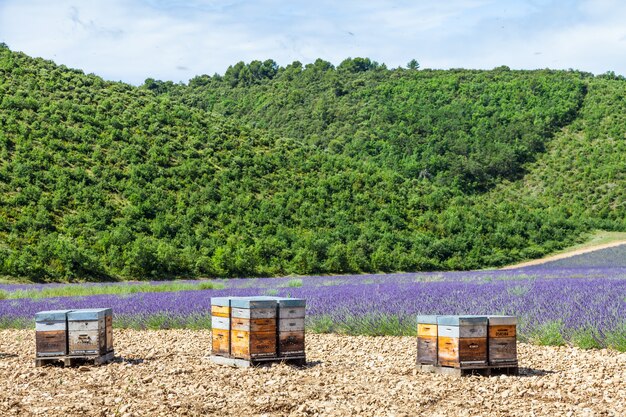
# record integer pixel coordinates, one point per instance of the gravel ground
(164, 373)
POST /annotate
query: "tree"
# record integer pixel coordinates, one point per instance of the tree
(413, 64)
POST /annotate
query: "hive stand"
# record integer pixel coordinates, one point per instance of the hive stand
(74, 360)
(484, 370)
(244, 363)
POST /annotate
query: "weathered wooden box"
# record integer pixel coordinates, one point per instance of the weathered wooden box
(502, 340)
(291, 333)
(51, 333)
(462, 341)
(264, 325)
(253, 333)
(220, 326)
(220, 311)
(427, 340)
(88, 333)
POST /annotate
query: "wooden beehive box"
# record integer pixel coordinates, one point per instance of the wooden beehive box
(253, 334)
(502, 340)
(462, 341)
(87, 332)
(220, 326)
(427, 340)
(291, 314)
(51, 333)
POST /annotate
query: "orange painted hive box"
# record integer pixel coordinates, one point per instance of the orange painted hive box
(462, 341)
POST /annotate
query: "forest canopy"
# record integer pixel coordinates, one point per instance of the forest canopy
(269, 170)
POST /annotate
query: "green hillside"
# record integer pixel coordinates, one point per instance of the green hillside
(304, 169)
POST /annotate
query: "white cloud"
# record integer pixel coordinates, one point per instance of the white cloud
(175, 40)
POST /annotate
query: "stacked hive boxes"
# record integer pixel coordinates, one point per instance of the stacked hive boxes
(74, 333)
(51, 333)
(253, 328)
(220, 326)
(427, 340)
(502, 340)
(257, 328)
(462, 341)
(467, 341)
(90, 331)
(291, 313)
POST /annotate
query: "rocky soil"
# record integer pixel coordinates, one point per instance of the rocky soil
(164, 373)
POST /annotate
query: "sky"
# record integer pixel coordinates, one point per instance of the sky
(175, 40)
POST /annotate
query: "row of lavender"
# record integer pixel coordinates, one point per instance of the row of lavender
(547, 271)
(554, 304)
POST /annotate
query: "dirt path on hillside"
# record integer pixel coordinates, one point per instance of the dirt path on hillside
(166, 373)
(566, 255)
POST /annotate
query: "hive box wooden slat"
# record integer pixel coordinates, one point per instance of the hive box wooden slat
(496, 331)
(291, 312)
(427, 340)
(502, 340)
(462, 341)
(220, 342)
(427, 350)
(291, 332)
(220, 323)
(254, 313)
(87, 332)
(254, 325)
(291, 325)
(51, 333)
(291, 344)
(252, 344)
(220, 311)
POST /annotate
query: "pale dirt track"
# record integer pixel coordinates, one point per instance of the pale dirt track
(162, 373)
(566, 255)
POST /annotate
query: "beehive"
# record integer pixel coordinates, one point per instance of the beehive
(51, 333)
(502, 340)
(462, 341)
(87, 331)
(291, 313)
(427, 340)
(220, 326)
(253, 328)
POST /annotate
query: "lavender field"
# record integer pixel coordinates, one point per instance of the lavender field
(562, 302)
